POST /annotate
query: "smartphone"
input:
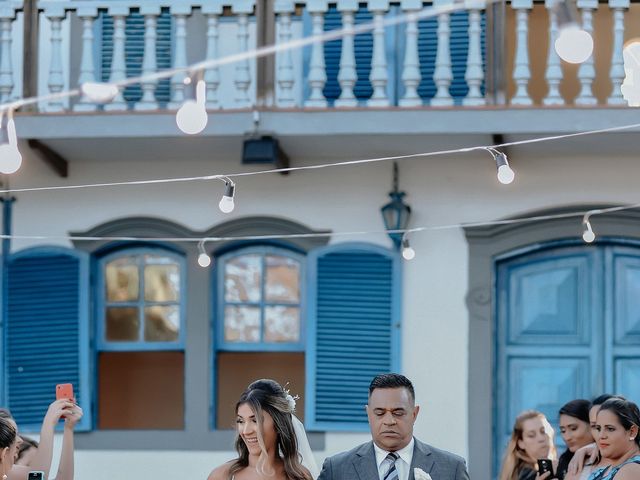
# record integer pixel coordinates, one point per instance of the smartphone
(544, 466)
(64, 390)
(36, 476)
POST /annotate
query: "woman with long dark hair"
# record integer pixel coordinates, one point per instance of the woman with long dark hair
(576, 433)
(9, 441)
(268, 438)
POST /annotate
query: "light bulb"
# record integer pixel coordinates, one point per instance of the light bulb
(408, 253)
(573, 44)
(99, 92)
(204, 260)
(10, 158)
(191, 117)
(505, 174)
(226, 204)
(588, 235)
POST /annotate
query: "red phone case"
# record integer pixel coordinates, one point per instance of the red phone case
(64, 390)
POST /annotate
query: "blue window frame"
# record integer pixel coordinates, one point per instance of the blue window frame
(260, 300)
(141, 300)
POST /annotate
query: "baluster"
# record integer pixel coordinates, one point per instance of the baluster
(521, 72)
(149, 62)
(317, 73)
(87, 67)
(347, 75)
(443, 75)
(179, 13)
(587, 71)
(212, 11)
(553, 74)
(475, 73)
(411, 69)
(378, 76)
(242, 78)
(118, 62)
(617, 60)
(56, 78)
(6, 69)
(284, 70)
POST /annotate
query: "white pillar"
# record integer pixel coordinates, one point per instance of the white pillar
(317, 72)
(587, 71)
(56, 14)
(475, 72)
(212, 12)
(411, 66)
(242, 77)
(149, 62)
(443, 75)
(179, 12)
(118, 63)
(6, 68)
(87, 66)
(284, 68)
(553, 75)
(617, 61)
(521, 71)
(347, 75)
(379, 75)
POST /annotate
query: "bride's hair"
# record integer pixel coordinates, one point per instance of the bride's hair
(268, 396)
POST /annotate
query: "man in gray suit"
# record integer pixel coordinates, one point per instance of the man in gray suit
(394, 454)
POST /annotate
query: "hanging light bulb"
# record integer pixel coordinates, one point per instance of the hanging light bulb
(204, 260)
(192, 115)
(99, 92)
(226, 204)
(587, 233)
(408, 253)
(573, 45)
(10, 157)
(504, 172)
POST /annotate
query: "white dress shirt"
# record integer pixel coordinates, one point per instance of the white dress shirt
(403, 463)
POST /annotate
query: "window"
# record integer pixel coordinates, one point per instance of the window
(140, 340)
(259, 322)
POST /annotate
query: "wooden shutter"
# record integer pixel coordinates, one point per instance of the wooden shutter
(46, 335)
(354, 331)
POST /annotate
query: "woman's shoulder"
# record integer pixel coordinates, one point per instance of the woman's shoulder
(221, 472)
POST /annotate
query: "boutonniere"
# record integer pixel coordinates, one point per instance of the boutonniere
(420, 474)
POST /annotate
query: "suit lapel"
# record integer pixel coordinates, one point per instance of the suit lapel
(423, 459)
(365, 462)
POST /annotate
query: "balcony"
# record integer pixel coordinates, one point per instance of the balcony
(477, 71)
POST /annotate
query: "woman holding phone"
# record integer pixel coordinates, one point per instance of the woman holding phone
(532, 438)
(270, 440)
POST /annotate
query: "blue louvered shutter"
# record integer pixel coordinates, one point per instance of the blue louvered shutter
(134, 52)
(354, 321)
(46, 332)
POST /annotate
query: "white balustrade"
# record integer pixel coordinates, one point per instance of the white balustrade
(411, 67)
(553, 75)
(7, 16)
(347, 75)
(521, 71)
(87, 16)
(179, 12)
(212, 12)
(443, 75)
(284, 68)
(587, 71)
(149, 63)
(475, 73)
(55, 15)
(378, 76)
(317, 73)
(617, 62)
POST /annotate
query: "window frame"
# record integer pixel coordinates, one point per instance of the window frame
(102, 344)
(218, 297)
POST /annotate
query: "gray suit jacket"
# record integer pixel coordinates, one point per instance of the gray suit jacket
(360, 464)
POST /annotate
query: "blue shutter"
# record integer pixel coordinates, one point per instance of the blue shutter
(46, 333)
(134, 52)
(353, 331)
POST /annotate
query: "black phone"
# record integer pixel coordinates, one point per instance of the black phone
(544, 466)
(36, 476)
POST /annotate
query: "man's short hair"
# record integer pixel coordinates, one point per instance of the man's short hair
(392, 380)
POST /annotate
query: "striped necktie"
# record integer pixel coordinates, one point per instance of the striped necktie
(392, 472)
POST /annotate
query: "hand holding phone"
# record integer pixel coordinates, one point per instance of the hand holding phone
(545, 465)
(36, 476)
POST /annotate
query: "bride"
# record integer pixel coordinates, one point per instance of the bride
(271, 441)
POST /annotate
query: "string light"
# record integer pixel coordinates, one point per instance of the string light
(504, 172)
(573, 45)
(408, 253)
(587, 232)
(10, 157)
(204, 260)
(99, 92)
(226, 203)
(192, 116)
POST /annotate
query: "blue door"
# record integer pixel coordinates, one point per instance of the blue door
(568, 326)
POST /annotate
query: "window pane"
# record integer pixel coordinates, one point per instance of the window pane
(121, 279)
(281, 324)
(162, 283)
(161, 324)
(242, 276)
(123, 324)
(283, 279)
(241, 324)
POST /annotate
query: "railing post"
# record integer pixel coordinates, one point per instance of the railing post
(617, 61)
(284, 69)
(379, 76)
(347, 75)
(149, 62)
(7, 16)
(179, 12)
(521, 71)
(475, 73)
(212, 12)
(317, 73)
(242, 77)
(587, 71)
(118, 62)
(87, 15)
(443, 75)
(56, 14)
(553, 74)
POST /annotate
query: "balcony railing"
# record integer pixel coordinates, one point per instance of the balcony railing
(435, 62)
